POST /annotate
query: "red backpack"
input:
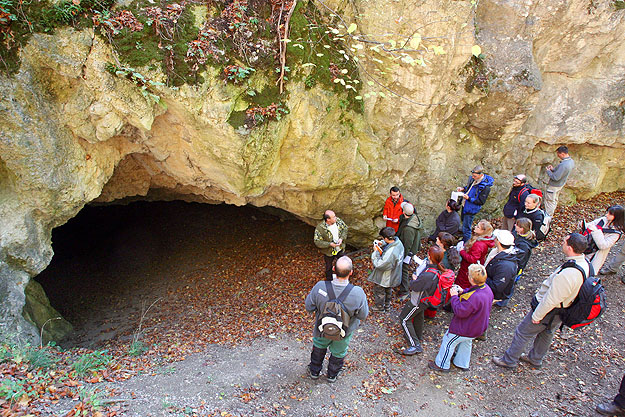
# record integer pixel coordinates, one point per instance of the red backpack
(441, 294)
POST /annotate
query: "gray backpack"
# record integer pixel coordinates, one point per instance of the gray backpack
(334, 319)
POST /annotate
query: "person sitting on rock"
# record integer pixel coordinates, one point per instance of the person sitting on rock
(448, 221)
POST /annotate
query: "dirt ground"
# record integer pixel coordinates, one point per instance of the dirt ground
(228, 335)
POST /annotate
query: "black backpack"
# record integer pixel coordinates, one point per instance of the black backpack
(334, 319)
(592, 247)
(590, 302)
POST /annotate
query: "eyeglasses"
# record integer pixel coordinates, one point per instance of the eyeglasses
(476, 172)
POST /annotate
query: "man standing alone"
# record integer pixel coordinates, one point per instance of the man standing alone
(355, 306)
(557, 179)
(392, 208)
(330, 236)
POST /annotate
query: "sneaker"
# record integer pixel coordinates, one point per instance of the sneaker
(332, 379)
(500, 362)
(525, 359)
(376, 309)
(433, 366)
(604, 271)
(565, 333)
(412, 350)
(610, 409)
(404, 297)
(311, 374)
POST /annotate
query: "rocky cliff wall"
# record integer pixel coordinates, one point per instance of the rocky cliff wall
(550, 73)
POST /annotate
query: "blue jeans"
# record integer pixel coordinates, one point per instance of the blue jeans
(467, 226)
(454, 343)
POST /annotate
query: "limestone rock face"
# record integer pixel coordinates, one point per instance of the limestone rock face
(552, 73)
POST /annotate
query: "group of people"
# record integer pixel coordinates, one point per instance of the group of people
(469, 278)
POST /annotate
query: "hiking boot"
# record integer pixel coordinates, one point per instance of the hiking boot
(610, 409)
(311, 374)
(500, 362)
(525, 359)
(433, 366)
(412, 350)
(605, 271)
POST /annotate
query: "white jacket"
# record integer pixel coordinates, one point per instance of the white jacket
(604, 242)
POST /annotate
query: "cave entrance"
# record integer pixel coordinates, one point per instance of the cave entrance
(111, 262)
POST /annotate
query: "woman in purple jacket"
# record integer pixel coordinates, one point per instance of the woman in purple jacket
(471, 313)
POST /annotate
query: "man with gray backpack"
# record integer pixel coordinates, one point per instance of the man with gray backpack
(339, 307)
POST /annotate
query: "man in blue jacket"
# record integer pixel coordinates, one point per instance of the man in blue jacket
(475, 195)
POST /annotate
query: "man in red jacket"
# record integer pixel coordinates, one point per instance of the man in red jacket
(392, 208)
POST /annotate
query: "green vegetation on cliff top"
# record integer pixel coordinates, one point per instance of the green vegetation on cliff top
(238, 37)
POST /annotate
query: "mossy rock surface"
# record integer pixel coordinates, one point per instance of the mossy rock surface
(39, 312)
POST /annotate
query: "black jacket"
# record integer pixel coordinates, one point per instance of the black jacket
(536, 216)
(501, 271)
(447, 222)
(524, 248)
(516, 201)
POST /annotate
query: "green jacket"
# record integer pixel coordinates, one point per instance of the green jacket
(323, 236)
(410, 234)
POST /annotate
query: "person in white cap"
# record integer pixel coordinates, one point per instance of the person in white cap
(501, 267)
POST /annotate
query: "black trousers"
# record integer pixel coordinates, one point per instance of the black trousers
(329, 260)
(411, 319)
(620, 397)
